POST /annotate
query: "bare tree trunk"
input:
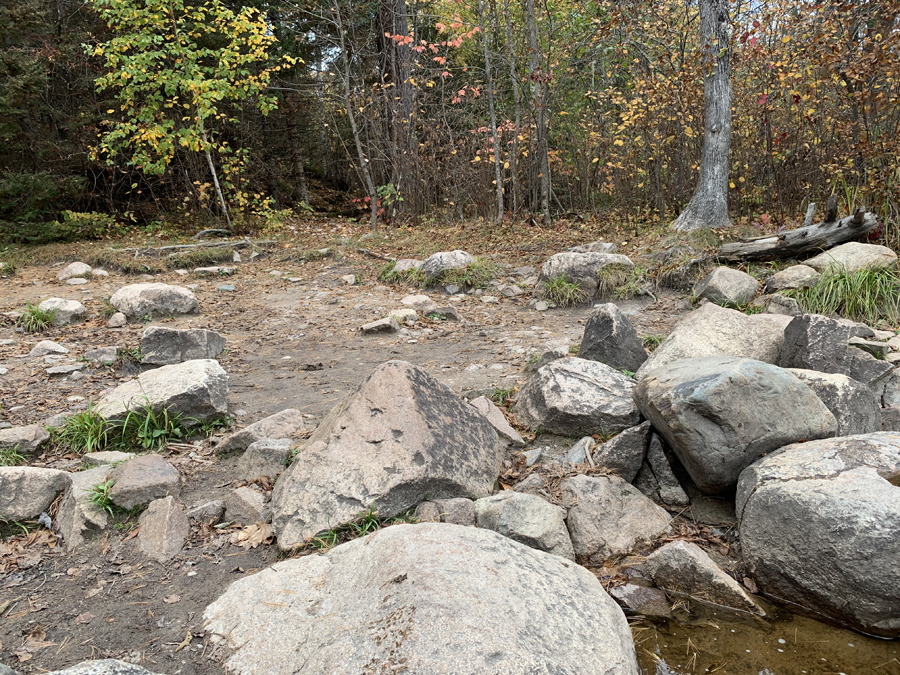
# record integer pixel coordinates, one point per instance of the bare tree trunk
(361, 156)
(542, 163)
(709, 206)
(517, 99)
(296, 155)
(488, 80)
(215, 177)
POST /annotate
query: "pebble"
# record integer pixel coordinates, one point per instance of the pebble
(117, 320)
(76, 281)
(489, 299)
(3, 371)
(65, 370)
(540, 306)
(226, 287)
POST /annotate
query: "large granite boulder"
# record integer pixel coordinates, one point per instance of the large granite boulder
(401, 438)
(426, 599)
(584, 269)
(437, 264)
(611, 339)
(820, 528)
(64, 311)
(720, 414)
(574, 396)
(725, 285)
(154, 299)
(528, 519)
(27, 491)
(711, 330)
(198, 390)
(166, 346)
(852, 257)
(855, 406)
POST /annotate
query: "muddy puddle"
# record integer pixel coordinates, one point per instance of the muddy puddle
(704, 640)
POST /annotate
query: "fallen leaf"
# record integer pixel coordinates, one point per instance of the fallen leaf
(750, 585)
(253, 536)
(85, 618)
(73, 572)
(91, 593)
(184, 643)
(172, 599)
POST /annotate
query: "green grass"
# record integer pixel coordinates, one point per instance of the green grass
(11, 456)
(99, 496)
(85, 431)
(871, 295)
(651, 342)
(475, 275)
(619, 279)
(106, 309)
(365, 523)
(151, 430)
(564, 293)
(8, 268)
(501, 396)
(34, 319)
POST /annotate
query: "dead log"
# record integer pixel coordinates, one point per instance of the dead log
(812, 239)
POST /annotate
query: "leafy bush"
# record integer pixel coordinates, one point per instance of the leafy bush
(33, 198)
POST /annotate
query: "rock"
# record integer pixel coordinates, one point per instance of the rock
(879, 350)
(164, 530)
(78, 519)
(166, 346)
(487, 299)
(511, 290)
(92, 459)
(594, 247)
(711, 330)
(195, 389)
(681, 567)
(117, 320)
(533, 456)
(820, 528)
(25, 440)
(584, 269)
(547, 357)
(534, 484)
(611, 339)
(247, 507)
(154, 300)
(406, 265)
(386, 325)
(77, 281)
(449, 599)
(719, 414)
(815, 342)
(403, 315)
(852, 257)
(139, 481)
(103, 667)
(796, 276)
(75, 269)
(498, 420)
(428, 512)
(576, 396)
(890, 419)
(27, 491)
(67, 369)
(650, 602)
(527, 519)
(400, 438)
(624, 453)
(608, 517)
(781, 304)
(264, 458)
(420, 303)
(209, 512)
(97, 272)
(215, 271)
(578, 453)
(457, 511)
(670, 490)
(226, 288)
(64, 311)
(725, 285)
(891, 396)
(102, 356)
(437, 264)
(45, 347)
(444, 313)
(282, 424)
(854, 406)
(541, 306)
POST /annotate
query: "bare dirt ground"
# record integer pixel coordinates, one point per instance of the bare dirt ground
(290, 344)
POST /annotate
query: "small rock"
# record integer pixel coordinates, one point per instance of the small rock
(210, 512)
(725, 285)
(102, 356)
(406, 265)
(420, 303)
(140, 480)
(65, 370)
(75, 269)
(64, 311)
(97, 272)
(452, 289)
(611, 339)
(215, 271)
(117, 320)
(78, 518)
(102, 667)
(386, 325)
(247, 507)
(349, 279)
(527, 519)
(154, 299)
(167, 346)
(511, 290)
(498, 420)
(76, 281)
(642, 600)
(264, 458)
(796, 276)
(428, 512)
(438, 263)
(489, 299)
(457, 511)
(282, 424)
(547, 357)
(781, 304)
(447, 312)
(541, 306)
(27, 491)
(92, 459)
(877, 349)
(164, 529)
(624, 453)
(403, 315)
(226, 288)
(533, 456)
(26, 440)
(579, 452)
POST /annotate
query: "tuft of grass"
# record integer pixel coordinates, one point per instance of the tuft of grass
(99, 496)
(11, 456)
(365, 523)
(149, 429)
(106, 309)
(85, 431)
(613, 277)
(205, 257)
(634, 284)
(871, 295)
(8, 268)
(211, 426)
(564, 293)
(35, 319)
(651, 342)
(476, 275)
(501, 396)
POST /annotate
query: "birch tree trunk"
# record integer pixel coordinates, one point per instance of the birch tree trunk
(708, 207)
(489, 83)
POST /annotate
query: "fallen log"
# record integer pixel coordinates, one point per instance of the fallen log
(792, 243)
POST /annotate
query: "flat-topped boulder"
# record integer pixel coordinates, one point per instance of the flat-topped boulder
(25, 440)
(853, 257)
(162, 346)
(64, 311)
(727, 286)
(583, 269)
(425, 599)
(74, 270)
(437, 264)
(154, 300)
(401, 438)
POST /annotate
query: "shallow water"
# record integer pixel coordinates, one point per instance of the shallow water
(704, 640)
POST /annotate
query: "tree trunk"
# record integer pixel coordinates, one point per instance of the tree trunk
(709, 206)
(489, 83)
(296, 155)
(215, 177)
(517, 99)
(542, 163)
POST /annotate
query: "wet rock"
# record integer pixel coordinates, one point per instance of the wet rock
(796, 276)
(45, 347)
(624, 453)
(247, 507)
(583, 269)
(64, 311)
(854, 406)
(852, 257)
(164, 530)
(105, 457)
(725, 285)
(400, 438)
(527, 519)
(437, 264)
(166, 346)
(154, 300)
(820, 527)
(27, 491)
(102, 356)
(449, 599)
(650, 602)
(103, 667)
(117, 320)
(264, 458)
(684, 568)
(25, 440)
(140, 480)
(719, 414)
(576, 396)
(609, 517)
(711, 330)
(387, 325)
(498, 420)
(611, 339)
(208, 512)
(78, 519)
(457, 511)
(195, 389)
(283, 424)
